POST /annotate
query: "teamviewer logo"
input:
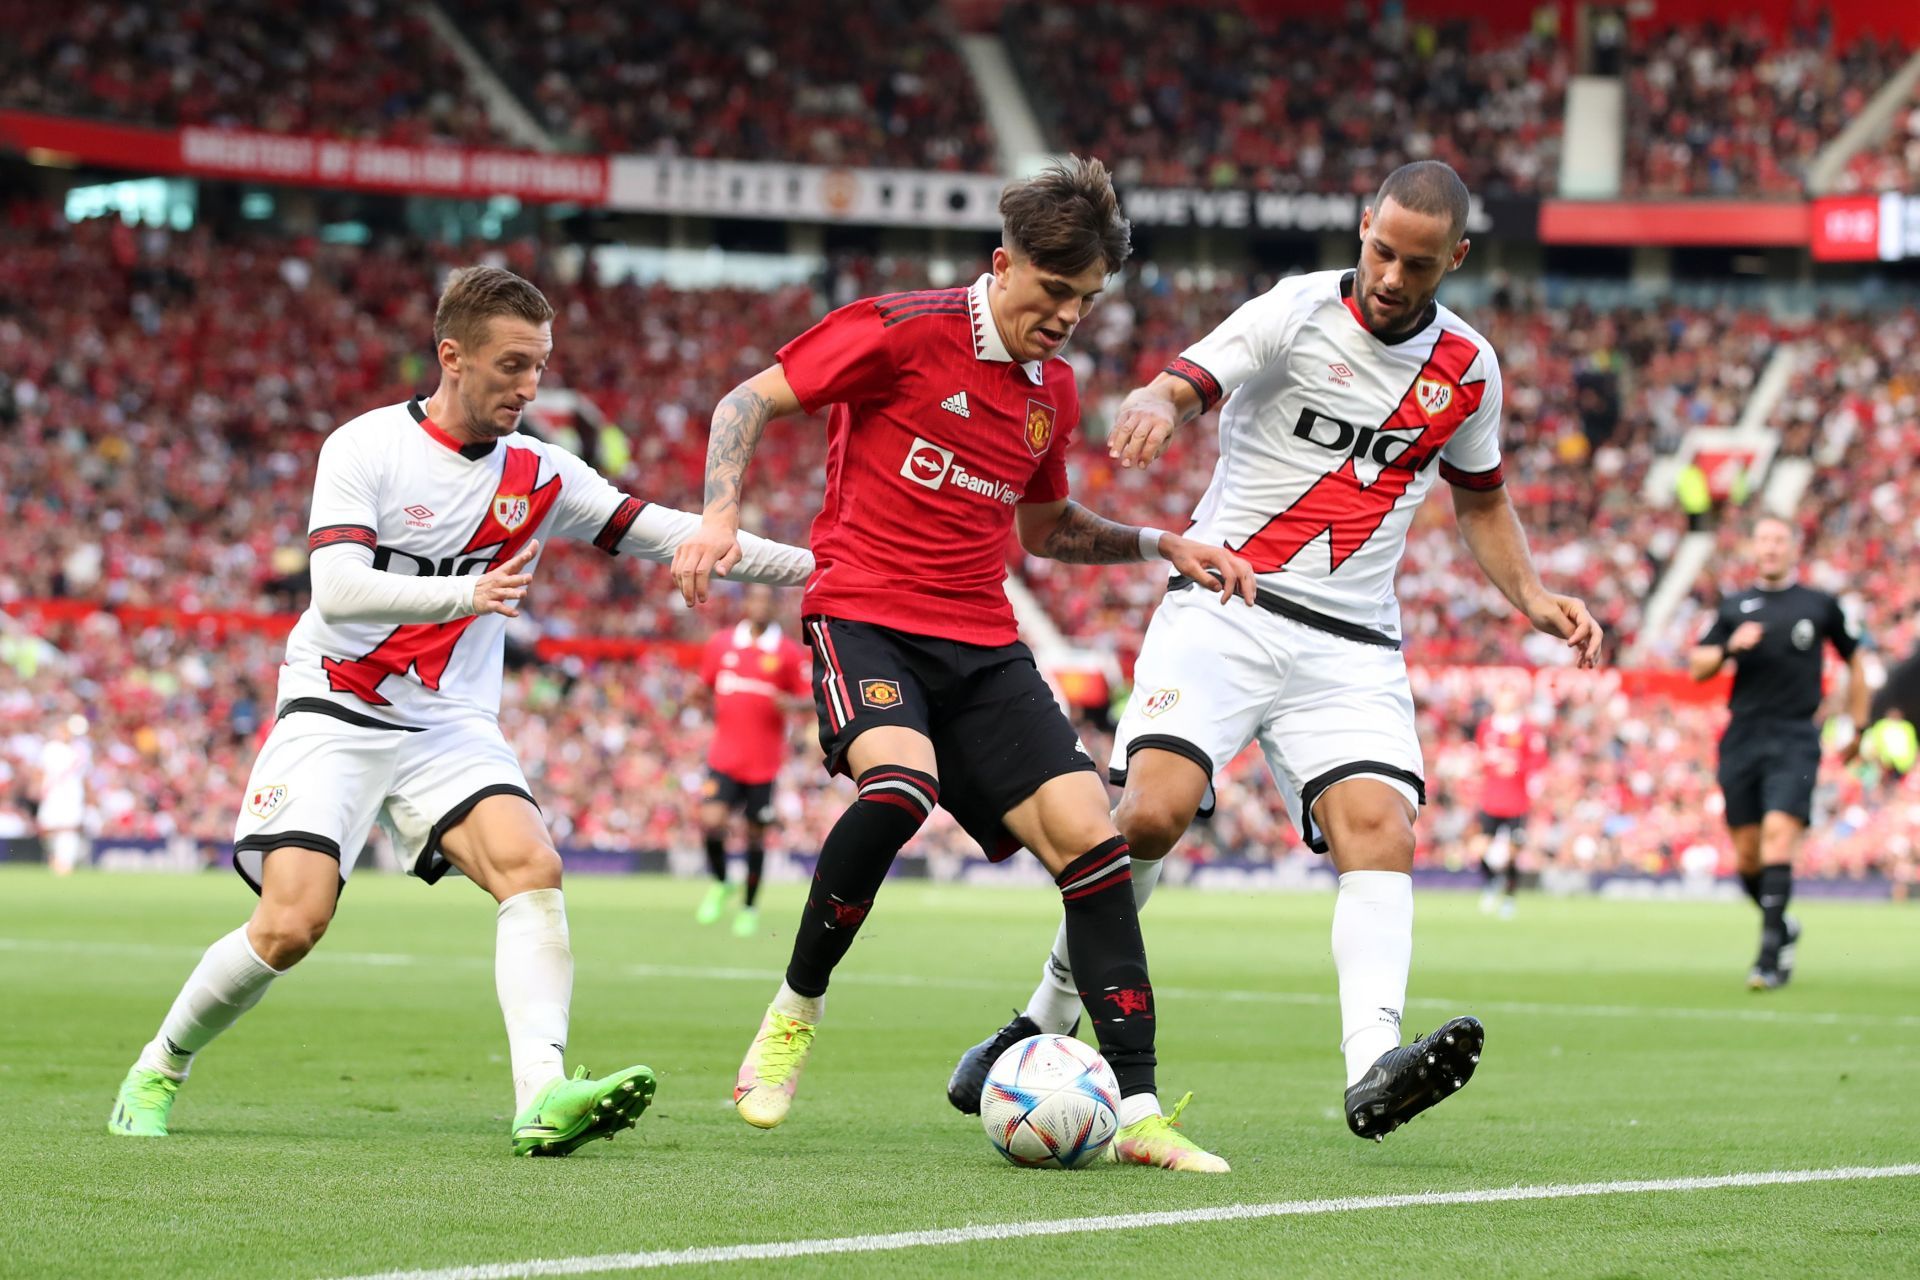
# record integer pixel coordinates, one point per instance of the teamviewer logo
(926, 463)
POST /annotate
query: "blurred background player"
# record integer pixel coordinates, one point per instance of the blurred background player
(755, 676)
(950, 419)
(61, 816)
(1351, 391)
(389, 705)
(1776, 633)
(1511, 748)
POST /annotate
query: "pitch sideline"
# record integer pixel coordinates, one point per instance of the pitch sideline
(658, 1259)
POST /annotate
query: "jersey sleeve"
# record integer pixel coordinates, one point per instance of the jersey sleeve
(1471, 458)
(1720, 629)
(1842, 630)
(1241, 345)
(1049, 483)
(346, 496)
(591, 508)
(845, 358)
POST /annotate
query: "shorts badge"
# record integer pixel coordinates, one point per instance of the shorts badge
(1160, 700)
(881, 695)
(266, 799)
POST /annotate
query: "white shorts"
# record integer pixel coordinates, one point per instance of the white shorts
(1212, 678)
(321, 782)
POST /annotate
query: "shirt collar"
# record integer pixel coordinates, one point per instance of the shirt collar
(769, 639)
(986, 334)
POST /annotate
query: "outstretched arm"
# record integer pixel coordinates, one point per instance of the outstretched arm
(1068, 532)
(1493, 534)
(737, 423)
(1144, 426)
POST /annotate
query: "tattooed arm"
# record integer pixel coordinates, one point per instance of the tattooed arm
(1068, 532)
(737, 423)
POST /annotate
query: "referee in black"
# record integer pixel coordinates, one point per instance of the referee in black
(1770, 752)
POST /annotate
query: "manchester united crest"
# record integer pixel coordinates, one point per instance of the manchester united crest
(510, 510)
(881, 695)
(1433, 395)
(1039, 427)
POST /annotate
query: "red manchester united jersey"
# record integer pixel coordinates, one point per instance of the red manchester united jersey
(935, 435)
(1510, 751)
(747, 676)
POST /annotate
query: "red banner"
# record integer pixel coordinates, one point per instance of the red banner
(1733, 223)
(298, 160)
(1846, 229)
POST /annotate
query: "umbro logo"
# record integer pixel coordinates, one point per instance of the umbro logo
(1339, 373)
(957, 403)
(418, 514)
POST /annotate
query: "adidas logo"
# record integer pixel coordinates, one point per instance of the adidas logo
(957, 403)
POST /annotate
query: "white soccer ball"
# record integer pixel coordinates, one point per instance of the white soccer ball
(1050, 1102)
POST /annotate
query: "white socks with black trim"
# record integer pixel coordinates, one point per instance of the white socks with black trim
(533, 974)
(228, 981)
(1372, 952)
(1055, 1005)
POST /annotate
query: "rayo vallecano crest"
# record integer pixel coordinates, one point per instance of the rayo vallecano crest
(510, 510)
(1434, 395)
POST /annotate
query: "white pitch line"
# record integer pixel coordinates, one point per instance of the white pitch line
(695, 973)
(893, 1241)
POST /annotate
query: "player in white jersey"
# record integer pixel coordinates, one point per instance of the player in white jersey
(424, 534)
(1350, 391)
(62, 814)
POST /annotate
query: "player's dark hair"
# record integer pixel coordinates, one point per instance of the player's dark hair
(1066, 218)
(1428, 186)
(475, 295)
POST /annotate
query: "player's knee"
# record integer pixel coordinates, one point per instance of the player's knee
(1371, 835)
(283, 936)
(1151, 824)
(525, 869)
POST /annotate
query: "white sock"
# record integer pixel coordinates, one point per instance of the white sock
(228, 981)
(533, 975)
(798, 1007)
(1372, 951)
(1055, 1004)
(1137, 1107)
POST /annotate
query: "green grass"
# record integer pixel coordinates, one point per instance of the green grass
(357, 1120)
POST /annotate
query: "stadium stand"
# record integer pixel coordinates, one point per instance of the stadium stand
(1214, 96)
(348, 70)
(874, 85)
(1739, 109)
(1893, 164)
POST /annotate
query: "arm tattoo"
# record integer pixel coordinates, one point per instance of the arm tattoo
(737, 424)
(1082, 537)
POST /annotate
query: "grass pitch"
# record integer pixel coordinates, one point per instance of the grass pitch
(356, 1122)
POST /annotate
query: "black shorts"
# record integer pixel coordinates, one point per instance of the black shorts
(754, 799)
(998, 733)
(1490, 827)
(1769, 768)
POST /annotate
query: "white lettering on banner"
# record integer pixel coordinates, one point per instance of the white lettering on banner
(455, 170)
(248, 152)
(1266, 210)
(890, 197)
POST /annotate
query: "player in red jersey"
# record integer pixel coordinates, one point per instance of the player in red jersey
(1512, 749)
(756, 676)
(950, 417)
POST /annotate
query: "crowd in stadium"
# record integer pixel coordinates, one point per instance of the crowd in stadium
(1893, 162)
(1208, 95)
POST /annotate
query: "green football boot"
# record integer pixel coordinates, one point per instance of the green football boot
(141, 1110)
(570, 1113)
(713, 906)
(746, 923)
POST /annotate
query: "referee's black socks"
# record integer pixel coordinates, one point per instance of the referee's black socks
(1750, 881)
(892, 803)
(1109, 960)
(1776, 890)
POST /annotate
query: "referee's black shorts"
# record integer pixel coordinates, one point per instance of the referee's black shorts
(1769, 767)
(998, 733)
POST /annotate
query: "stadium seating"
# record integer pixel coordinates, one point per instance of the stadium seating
(875, 84)
(1735, 109)
(345, 70)
(1892, 163)
(1212, 96)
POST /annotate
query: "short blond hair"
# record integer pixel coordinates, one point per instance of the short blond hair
(474, 295)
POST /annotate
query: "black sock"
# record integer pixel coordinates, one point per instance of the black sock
(892, 804)
(756, 863)
(1513, 876)
(1110, 959)
(1486, 873)
(1750, 881)
(1776, 890)
(717, 855)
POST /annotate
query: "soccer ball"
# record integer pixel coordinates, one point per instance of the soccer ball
(1050, 1103)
